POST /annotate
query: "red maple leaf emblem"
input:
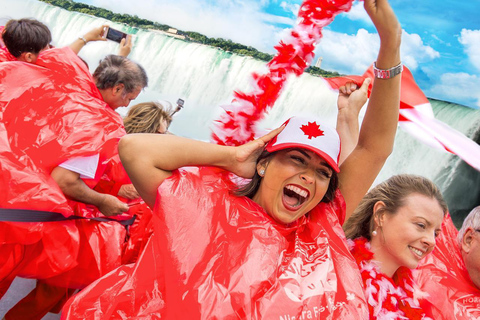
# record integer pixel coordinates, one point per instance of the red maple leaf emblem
(312, 130)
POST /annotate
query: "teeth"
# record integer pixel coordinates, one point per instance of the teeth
(297, 190)
(418, 252)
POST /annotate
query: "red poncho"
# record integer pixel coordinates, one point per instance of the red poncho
(217, 256)
(51, 112)
(444, 277)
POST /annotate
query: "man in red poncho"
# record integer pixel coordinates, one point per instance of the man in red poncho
(52, 112)
(451, 274)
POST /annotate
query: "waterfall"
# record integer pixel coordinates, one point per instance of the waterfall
(206, 77)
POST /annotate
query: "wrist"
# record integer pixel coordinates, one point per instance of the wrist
(85, 41)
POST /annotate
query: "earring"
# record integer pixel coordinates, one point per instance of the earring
(374, 232)
(262, 172)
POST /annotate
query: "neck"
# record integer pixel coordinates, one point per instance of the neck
(380, 254)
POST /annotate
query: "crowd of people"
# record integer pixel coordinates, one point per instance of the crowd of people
(117, 218)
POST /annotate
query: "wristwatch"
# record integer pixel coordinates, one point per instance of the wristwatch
(387, 74)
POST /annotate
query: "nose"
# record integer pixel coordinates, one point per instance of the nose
(308, 176)
(429, 240)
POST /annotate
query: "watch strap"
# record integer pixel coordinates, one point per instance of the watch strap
(387, 74)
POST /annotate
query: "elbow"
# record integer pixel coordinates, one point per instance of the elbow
(380, 156)
(65, 179)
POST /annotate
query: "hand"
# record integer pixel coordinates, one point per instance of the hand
(96, 34)
(111, 206)
(245, 156)
(128, 191)
(385, 21)
(125, 46)
(351, 98)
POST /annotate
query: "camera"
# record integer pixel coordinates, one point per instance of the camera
(115, 35)
(180, 103)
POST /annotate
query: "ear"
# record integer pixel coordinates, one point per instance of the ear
(26, 57)
(118, 89)
(467, 239)
(262, 165)
(378, 213)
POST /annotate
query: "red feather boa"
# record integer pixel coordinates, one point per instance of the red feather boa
(388, 298)
(237, 125)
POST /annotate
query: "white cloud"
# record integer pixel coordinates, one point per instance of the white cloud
(290, 7)
(470, 39)
(348, 54)
(414, 51)
(458, 86)
(357, 12)
(353, 54)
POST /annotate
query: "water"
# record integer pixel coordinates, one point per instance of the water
(205, 78)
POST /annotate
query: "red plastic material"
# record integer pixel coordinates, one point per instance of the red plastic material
(217, 256)
(111, 181)
(51, 112)
(443, 276)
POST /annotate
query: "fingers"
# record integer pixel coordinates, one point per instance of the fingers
(366, 84)
(348, 88)
(124, 207)
(269, 136)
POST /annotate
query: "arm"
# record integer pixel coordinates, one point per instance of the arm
(95, 34)
(74, 187)
(150, 158)
(351, 99)
(380, 123)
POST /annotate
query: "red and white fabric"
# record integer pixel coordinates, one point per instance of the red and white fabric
(214, 255)
(417, 118)
(444, 277)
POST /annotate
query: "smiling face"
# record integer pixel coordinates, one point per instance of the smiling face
(294, 182)
(407, 236)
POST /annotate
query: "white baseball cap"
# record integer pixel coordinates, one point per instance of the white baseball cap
(309, 134)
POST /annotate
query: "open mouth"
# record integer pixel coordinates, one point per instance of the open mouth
(294, 196)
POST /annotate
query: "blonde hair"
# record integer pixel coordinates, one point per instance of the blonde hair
(393, 193)
(146, 117)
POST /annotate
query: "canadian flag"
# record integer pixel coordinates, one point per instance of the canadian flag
(417, 118)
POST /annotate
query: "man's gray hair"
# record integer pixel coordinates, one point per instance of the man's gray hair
(472, 221)
(114, 70)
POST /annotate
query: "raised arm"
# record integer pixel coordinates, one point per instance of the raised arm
(150, 158)
(350, 101)
(380, 122)
(96, 34)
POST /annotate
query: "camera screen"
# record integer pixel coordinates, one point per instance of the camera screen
(115, 35)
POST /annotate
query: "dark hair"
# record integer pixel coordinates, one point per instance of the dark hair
(114, 70)
(26, 35)
(392, 193)
(251, 188)
(145, 117)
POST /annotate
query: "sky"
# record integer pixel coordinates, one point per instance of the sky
(440, 42)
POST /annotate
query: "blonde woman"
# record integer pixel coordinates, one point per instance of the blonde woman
(393, 228)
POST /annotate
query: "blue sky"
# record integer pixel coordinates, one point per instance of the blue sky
(440, 44)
